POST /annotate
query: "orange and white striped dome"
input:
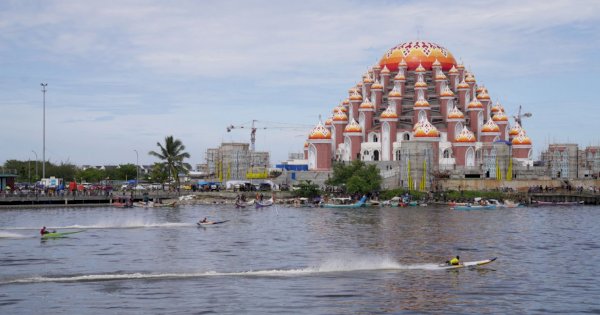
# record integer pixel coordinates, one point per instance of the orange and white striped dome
(421, 102)
(515, 130)
(385, 70)
(465, 135)
(500, 116)
(340, 116)
(424, 129)
(415, 53)
(389, 113)
(395, 92)
(462, 85)
(367, 79)
(420, 69)
(401, 64)
(460, 66)
(353, 126)
(483, 95)
(399, 77)
(447, 92)
(376, 86)
(339, 107)
(440, 76)
(490, 126)
(319, 133)
(356, 96)
(346, 102)
(453, 70)
(497, 108)
(521, 139)
(470, 78)
(305, 145)
(475, 104)
(366, 104)
(420, 84)
(328, 121)
(455, 113)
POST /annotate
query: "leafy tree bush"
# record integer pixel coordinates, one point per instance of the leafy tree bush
(307, 190)
(357, 177)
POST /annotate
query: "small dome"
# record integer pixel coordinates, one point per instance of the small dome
(453, 70)
(402, 64)
(420, 69)
(465, 135)
(475, 104)
(389, 113)
(421, 102)
(359, 85)
(385, 70)
(400, 77)
(352, 90)
(447, 92)
(305, 145)
(500, 116)
(483, 95)
(470, 78)
(339, 108)
(462, 85)
(395, 92)
(424, 129)
(515, 130)
(490, 126)
(366, 104)
(497, 108)
(420, 83)
(367, 79)
(521, 139)
(436, 63)
(455, 113)
(440, 76)
(328, 121)
(376, 86)
(356, 97)
(340, 116)
(376, 67)
(353, 126)
(460, 66)
(319, 133)
(480, 88)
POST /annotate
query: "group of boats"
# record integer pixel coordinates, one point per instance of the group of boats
(257, 203)
(126, 202)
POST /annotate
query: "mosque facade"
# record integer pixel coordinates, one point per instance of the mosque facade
(425, 112)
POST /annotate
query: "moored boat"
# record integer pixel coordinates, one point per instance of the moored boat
(358, 204)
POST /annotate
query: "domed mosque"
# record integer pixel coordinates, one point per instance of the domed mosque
(419, 106)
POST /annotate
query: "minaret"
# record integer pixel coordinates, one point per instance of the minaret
(395, 99)
(389, 127)
(420, 83)
(484, 98)
(319, 149)
(440, 78)
(521, 146)
(377, 90)
(445, 97)
(453, 74)
(461, 72)
(385, 78)
(502, 121)
(340, 120)
(470, 80)
(489, 131)
(366, 109)
(329, 126)
(436, 69)
(463, 89)
(421, 105)
(400, 80)
(464, 143)
(474, 109)
(455, 117)
(353, 133)
(355, 100)
(376, 71)
(367, 82)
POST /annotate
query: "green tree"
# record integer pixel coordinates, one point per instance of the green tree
(126, 171)
(64, 170)
(173, 154)
(307, 189)
(91, 175)
(357, 177)
(158, 173)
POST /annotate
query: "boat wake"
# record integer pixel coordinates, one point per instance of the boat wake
(10, 235)
(331, 266)
(113, 224)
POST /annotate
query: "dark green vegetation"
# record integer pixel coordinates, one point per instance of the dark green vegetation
(172, 155)
(307, 189)
(356, 177)
(69, 172)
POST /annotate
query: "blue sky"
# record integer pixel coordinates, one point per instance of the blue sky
(122, 75)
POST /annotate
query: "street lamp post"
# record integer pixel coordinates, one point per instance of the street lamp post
(44, 85)
(36, 162)
(137, 168)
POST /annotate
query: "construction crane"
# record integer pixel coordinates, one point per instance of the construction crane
(519, 116)
(253, 129)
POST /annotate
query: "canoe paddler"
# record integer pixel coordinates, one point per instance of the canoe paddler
(454, 261)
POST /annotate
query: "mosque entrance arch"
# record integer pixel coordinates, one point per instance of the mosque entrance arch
(376, 155)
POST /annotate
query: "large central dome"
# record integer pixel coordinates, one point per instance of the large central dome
(415, 53)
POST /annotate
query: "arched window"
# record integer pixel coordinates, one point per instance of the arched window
(375, 155)
(361, 121)
(347, 148)
(470, 157)
(457, 129)
(397, 155)
(385, 141)
(422, 115)
(374, 138)
(406, 136)
(312, 157)
(447, 154)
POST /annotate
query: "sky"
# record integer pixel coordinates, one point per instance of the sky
(123, 75)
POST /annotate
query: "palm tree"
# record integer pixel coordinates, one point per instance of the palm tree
(172, 155)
